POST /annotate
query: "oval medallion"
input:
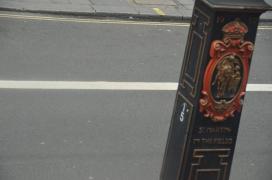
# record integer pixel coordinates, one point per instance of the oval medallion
(227, 78)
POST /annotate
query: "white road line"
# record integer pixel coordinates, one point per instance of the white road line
(104, 85)
(259, 87)
(86, 85)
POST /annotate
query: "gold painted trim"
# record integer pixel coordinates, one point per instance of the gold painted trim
(198, 56)
(189, 131)
(222, 160)
(200, 53)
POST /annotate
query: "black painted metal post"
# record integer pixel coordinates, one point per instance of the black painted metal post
(212, 84)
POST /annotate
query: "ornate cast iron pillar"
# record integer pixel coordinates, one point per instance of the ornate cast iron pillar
(211, 90)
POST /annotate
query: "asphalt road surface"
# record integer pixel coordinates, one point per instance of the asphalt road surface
(108, 134)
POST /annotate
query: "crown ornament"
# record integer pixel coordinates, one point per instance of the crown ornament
(235, 29)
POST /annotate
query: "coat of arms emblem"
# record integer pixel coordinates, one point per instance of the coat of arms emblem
(227, 72)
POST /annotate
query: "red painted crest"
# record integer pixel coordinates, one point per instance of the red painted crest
(226, 75)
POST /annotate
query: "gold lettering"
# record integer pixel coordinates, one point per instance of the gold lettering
(213, 141)
(214, 130)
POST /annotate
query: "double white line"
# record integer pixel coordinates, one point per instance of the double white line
(104, 85)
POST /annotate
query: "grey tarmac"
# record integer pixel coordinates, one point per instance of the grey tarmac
(97, 52)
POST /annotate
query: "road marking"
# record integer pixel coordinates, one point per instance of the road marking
(96, 21)
(265, 27)
(99, 21)
(87, 85)
(259, 87)
(159, 11)
(105, 85)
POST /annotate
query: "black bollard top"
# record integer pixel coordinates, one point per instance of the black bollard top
(250, 5)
